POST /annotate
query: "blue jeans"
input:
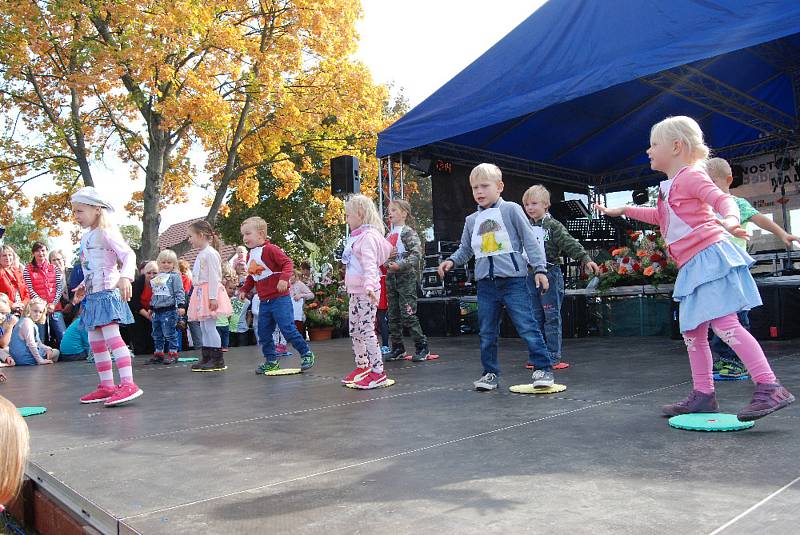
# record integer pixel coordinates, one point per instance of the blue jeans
(55, 322)
(723, 350)
(224, 336)
(164, 330)
(280, 312)
(547, 310)
(513, 293)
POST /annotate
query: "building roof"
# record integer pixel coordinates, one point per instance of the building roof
(178, 232)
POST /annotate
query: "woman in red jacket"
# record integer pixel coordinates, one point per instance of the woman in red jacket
(12, 282)
(45, 281)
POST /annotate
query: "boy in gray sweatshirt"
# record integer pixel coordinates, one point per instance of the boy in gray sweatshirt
(496, 235)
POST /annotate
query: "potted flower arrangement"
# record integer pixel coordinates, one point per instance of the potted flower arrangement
(644, 261)
(325, 311)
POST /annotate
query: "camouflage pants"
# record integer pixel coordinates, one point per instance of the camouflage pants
(401, 296)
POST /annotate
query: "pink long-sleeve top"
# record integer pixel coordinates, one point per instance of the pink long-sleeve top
(370, 250)
(102, 250)
(693, 198)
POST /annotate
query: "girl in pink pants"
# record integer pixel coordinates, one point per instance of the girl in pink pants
(365, 252)
(714, 281)
(106, 288)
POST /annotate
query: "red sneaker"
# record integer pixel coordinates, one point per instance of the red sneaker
(371, 380)
(170, 358)
(355, 375)
(101, 394)
(124, 393)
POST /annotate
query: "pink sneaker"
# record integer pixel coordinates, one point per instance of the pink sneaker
(355, 375)
(101, 394)
(371, 380)
(124, 393)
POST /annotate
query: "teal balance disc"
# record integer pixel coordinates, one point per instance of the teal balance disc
(31, 411)
(712, 421)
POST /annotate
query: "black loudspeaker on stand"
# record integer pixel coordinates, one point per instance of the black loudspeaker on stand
(439, 316)
(344, 175)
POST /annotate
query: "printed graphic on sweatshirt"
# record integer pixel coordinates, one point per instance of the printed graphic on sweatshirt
(160, 285)
(256, 267)
(489, 236)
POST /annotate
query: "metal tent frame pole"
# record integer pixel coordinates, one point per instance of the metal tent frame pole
(402, 178)
(391, 179)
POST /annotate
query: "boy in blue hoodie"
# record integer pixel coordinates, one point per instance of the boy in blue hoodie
(496, 235)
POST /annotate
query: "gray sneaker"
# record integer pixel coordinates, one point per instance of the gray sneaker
(487, 382)
(542, 379)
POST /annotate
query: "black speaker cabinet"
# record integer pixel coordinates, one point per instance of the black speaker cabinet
(439, 316)
(778, 317)
(344, 175)
(574, 317)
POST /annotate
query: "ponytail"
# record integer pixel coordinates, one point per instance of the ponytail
(203, 227)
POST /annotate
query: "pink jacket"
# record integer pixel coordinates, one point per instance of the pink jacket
(371, 250)
(693, 198)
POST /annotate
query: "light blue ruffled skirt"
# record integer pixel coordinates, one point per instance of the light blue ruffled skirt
(102, 308)
(714, 283)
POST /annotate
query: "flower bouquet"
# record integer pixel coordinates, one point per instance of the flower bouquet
(328, 306)
(643, 261)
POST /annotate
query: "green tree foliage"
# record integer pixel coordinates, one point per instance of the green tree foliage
(22, 233)
(293, 220)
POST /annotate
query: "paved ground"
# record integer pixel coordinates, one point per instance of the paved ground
(239, 453)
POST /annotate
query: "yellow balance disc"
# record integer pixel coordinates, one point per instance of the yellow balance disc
(284, 371)
(528, 389)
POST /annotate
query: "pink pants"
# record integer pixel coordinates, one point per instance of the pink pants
(738, 338)
(362, 333)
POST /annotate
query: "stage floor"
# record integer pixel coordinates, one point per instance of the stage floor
(238, 453)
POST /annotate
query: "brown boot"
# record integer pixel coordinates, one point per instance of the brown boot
(199, 366)
(216, 362)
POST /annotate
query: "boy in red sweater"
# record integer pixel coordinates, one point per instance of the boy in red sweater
(269, 271)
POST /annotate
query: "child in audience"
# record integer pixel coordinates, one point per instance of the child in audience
(300, 294)
(237, 326)
(167, 304)
(7, 323)
(229, 281)
(25, 345)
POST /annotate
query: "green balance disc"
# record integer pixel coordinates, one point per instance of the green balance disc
(712, 421)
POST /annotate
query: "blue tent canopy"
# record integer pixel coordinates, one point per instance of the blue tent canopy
(571, 93)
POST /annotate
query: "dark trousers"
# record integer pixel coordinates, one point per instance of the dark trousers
(382, 326)
(224, 336)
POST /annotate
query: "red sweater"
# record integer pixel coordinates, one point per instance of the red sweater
(11, 282)
(276, 261)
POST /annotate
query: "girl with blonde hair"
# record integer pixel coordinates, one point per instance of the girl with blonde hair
(714, 280)
(366, 250)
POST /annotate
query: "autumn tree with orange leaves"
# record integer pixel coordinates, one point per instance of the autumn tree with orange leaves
(246, 83)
